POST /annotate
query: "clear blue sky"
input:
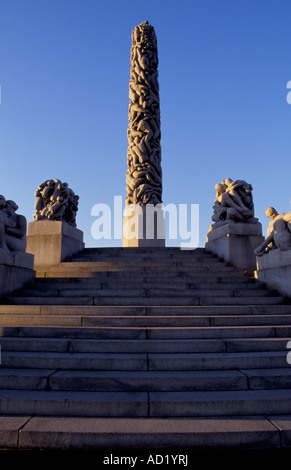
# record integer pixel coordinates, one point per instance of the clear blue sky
(223, 70)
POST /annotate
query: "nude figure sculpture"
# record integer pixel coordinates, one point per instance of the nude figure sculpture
(56, 201)
(278, 233)
(12, 227)
(234, 201)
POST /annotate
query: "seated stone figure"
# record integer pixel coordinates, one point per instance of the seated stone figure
(12, 227)
(234, 201)
(278, 233)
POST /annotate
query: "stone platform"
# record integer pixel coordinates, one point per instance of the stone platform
(274, 268)
(235, 243)
(145, 349)
(16, 269)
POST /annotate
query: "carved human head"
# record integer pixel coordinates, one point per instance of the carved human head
(271, 212)
(2, 202)
(11, 207)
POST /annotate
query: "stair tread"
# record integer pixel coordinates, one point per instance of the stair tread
(147, 433)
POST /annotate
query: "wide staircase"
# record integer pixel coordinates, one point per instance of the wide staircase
(145, 348)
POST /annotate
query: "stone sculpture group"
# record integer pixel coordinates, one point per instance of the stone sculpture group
(56, 201)
(234, 201)
(144, 174)
(12, 227)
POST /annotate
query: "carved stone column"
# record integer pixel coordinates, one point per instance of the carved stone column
(144, 172)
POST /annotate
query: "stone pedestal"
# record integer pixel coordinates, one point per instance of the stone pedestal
(144, 226)
(235, 243)
(15, 271)
(274, 268)
(51, 242)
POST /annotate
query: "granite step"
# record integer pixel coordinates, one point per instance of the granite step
(24, 379)
(142, 310)
(163, 255)
(144, 258)
(152, 264)
(83, 268)
(73, 403)
(253, 379)
(142, 361)
(268, 379)
(143, 321)
(146, 301)
(61, 274)
(221, 361)
(58, 285)
(204, 433)
(141, 292)
(145, 404)
(82, 361)
(170, 380)
(142, 346)
(116, 252)
(143, 333)
(225, 403)
(78, 380)
(142, 276)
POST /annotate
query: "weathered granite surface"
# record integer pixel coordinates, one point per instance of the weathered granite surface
(51, 242)
(274, 268)
(235, 242)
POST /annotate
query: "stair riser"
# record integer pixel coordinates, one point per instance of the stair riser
(148, 301)
(140, 346)
(112, 285)
(147, 292)
(154, 362)
(107, 405)
(115, 404)
(213, 333)
(160, 362)
(146, 385)
(220, 277)
(58, 381)
(82, 362)
(251, 407)
(50, 380)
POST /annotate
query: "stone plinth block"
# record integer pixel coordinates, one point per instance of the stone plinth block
(144, 226)
(16, 269)
(51, 242)
(274, 268)
(235, 242)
